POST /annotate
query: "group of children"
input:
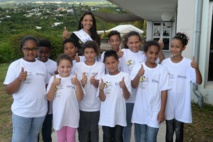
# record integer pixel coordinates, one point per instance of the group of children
(127, 86)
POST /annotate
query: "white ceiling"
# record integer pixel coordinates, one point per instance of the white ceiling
(148, 9)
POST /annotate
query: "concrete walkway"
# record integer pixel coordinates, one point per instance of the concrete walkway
(161, 134)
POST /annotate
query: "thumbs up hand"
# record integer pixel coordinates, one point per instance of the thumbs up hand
(23, 75)
(65, 33)
(56, 81)
(93, 80)
(101, 86)
(193, 63)
(160, 42)
(84, 79)
(120, 53)
(77, 58)
(141, 71)
(122, 83)
(75, 80)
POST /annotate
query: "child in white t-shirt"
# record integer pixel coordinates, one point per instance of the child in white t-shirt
(181, 72)
(152, 83)
(26, 80)
(44, 52)
(65, 91)
(114, 89)
(114, 39)
(89, 73)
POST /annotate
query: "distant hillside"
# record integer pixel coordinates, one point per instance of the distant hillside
(24, 1)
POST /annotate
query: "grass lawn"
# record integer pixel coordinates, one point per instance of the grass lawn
(201, 130)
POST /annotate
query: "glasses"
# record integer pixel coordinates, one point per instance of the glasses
(29, 49)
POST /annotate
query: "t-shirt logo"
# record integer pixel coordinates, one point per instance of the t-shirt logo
(142, 78)
(129, 62)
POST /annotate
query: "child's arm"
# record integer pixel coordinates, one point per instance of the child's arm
(161, 114)
(135, 81)
(53, 88)
(126, 92)
(161, 54)
(84, 79)
(94, 81)
(197, 71)
(101, 95)
(79, 91)
(14, 86)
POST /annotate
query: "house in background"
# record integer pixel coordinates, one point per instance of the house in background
(193, 17)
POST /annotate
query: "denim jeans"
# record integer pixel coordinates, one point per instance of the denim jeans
(138, 133)
(112, 134)
(174, 126)
(88, 126)
(127, 130)
(147, 133)
(26, 129)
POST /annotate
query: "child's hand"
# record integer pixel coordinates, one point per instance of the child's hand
(160, 42)
(161, 116)
(56, 81)
(56, 71)
(77, 58)
(23, 75)
(93, 80)
(75, 80)
(84, 79)
(101, 86)
(65, 33)
(122, 83)
(193, 63)
(141, 71)
(120, 53)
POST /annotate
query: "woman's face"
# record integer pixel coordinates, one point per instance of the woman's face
(87, 22)
(29, 50)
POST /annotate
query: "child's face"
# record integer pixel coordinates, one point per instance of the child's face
(87, 22)
(112, 65)
(176, 48)
(152, 54)
(89, 54)
(70, 49)
(134, 43)
(64, 68)
(29, 50)
(114, 41)
(43, 53)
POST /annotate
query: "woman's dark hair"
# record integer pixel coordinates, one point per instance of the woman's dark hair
(69, 40)
(110, 53)
(126, 37)
(114, 32)
(64, 57)
(26, 38)
(182, 37)
(93, 30)
(149, 44)
(45, 43)
(91, 44)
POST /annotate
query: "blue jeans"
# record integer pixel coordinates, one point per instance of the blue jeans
(145, 133)
(174, 126)
(26, 129)
(128, 129)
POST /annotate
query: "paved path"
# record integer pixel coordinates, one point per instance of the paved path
(161, 134)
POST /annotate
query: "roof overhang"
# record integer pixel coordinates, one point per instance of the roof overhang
(148, 9)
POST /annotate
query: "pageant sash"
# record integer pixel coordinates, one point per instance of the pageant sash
(82, 35)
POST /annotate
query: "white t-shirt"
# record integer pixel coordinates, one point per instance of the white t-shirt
(65, 104)
(113, 108)
(179, 101)
(102, 60)
(128, 60)
(51, 68)
(82, 59)
(30, 99)
(90, 102)
(148, 97)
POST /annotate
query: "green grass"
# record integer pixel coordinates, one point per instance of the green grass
(201, 130)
